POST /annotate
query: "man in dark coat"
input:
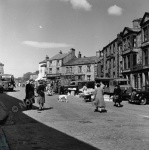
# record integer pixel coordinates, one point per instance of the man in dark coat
(117, 96)
(29, 98)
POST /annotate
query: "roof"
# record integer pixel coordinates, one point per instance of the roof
(83, 61)
(110, 43)
(44, 65)
(44, 61)
(6, 75)
(132, 29)
(146, 13)
(59, 56)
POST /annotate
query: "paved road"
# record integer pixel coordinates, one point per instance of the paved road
(75, 125)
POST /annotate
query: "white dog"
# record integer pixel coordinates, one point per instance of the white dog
(62, 98)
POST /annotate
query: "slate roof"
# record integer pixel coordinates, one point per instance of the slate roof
(146, 13)
(83, 61)
(59, 56)
(44, 61)
(44, 65)
(56, 57)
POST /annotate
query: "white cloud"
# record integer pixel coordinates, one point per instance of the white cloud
(115, 10)
(45, 44)
(78, 4)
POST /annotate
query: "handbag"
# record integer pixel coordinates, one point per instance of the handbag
(115, 97)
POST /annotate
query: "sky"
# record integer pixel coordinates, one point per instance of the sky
(32, 29)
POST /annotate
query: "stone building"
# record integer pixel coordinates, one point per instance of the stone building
(132, 54)
(111, 60)
(127, 56)
(144, 71)
(81, 68)
(54, 64)
(42, 68)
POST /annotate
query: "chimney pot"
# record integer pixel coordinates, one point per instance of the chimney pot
(60, 52)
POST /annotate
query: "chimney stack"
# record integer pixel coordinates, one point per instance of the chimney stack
(136, 23)
(79, 54)
(47, 57)
(60, 52)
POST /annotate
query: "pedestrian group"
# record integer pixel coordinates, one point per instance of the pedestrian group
(37, 91)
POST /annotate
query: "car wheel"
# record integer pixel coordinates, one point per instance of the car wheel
(143, 101)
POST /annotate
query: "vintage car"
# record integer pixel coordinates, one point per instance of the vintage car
(1, 87)
(110, 83)
(140, 96)
(76, 86)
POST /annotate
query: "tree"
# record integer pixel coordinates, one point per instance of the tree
(26, 76)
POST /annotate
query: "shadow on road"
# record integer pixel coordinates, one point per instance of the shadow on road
(28, 133)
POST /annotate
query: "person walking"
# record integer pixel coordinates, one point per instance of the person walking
(99, 99)
(29, 98)
(41, 95)
(117, 96)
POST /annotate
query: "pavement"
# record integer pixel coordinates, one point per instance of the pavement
(5, 118)
(3, 140)
(4, 114)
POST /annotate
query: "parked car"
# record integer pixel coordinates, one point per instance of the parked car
(1, 87)
(110, 85)
(77, 85)
(141, 97)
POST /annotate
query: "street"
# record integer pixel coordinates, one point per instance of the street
(74, 125)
